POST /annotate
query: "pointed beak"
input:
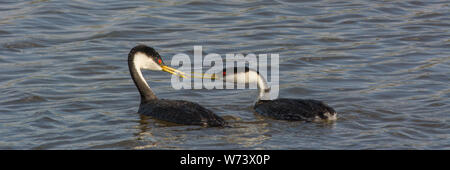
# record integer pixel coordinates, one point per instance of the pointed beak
(184, 75)
(174, 71)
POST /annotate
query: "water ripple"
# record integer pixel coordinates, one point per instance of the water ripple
(383, 65)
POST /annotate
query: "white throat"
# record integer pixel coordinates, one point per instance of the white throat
(264, 90)
(142, 61)
(252, 77)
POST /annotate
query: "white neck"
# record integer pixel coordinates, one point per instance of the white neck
(141, 61)
(253, 76)
(264, 90)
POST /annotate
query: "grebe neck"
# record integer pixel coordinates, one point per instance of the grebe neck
(136, 74)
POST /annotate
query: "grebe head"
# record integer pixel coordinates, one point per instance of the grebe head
(145, 57)
(245, 75)
(239, 75)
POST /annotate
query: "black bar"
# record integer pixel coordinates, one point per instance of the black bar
(260, 159)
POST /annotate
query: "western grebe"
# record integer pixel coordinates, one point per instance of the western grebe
(282, 108)
(176, 111)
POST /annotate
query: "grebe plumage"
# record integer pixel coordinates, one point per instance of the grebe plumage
(176, 111)
(281, 108)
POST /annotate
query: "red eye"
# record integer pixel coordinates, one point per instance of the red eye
(224, 73)
(159, 61)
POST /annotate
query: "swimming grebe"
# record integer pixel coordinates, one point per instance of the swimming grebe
(176, 111)
(281, 108)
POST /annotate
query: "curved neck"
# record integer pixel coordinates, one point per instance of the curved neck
(264, 90)
(136, 74)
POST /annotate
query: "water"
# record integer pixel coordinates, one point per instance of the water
(383, 65)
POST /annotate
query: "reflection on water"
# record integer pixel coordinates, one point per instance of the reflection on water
(159, 134)
(383, 65)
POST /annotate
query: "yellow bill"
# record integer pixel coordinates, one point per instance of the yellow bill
(174, 71)
(185, 75)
